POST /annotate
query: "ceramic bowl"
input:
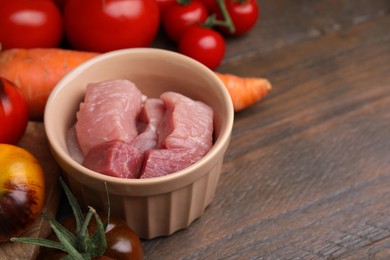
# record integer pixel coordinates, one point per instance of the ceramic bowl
(156, 206)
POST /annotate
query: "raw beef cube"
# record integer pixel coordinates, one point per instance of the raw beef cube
(161, 162)
(187, 123)
(108, 112)
(115, 158)
(185, 135)
(150, 118)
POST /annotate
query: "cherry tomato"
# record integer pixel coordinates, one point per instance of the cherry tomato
(122, 242)
(204, 45)
(244, 14)
(22, 190)
(179, 16)
(60, 4)
(101, 26)
(30, 24)
(13, 113)
(164, 4)
(211, 5)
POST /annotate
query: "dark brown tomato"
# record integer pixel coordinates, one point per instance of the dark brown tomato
(122, 241)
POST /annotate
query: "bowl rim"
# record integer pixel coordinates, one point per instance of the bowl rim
(217, 147)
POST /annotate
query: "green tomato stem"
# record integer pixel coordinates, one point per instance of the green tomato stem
(80, 245)
(226, 22)
(79, 218)
(70, 248)
(183, 2)
(40, 242)
(226, 16)
(108, 207)
(83, 236)
(98, 239)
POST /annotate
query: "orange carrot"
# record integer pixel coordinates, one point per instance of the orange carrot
(245, 91)
(37, 71)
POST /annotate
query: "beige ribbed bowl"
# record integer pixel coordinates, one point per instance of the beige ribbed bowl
(157, 206)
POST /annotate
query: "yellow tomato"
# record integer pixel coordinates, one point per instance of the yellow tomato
(22, 190)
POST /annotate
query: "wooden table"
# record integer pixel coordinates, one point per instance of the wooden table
(307, 173)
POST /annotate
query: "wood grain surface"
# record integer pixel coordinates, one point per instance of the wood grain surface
(35, 142)
(307, 173)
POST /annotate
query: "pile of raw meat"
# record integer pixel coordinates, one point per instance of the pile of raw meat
(121, 133)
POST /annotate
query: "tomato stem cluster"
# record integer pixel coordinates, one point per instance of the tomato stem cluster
(184, 2)
(80, 245)
(227, 20)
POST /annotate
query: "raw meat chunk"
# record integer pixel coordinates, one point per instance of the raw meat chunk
(150, 118)
(108, 112)
(122, 133)
(115, 158)
(161, 162)
(185, 136)
(187, 123)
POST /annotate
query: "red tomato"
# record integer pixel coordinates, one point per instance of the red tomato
(60, 3)
(244, 15)
(212, 5)
(30, 24)
(101, 26)
(179, 16)
(204, 45)
(164, 4)
(13, 113)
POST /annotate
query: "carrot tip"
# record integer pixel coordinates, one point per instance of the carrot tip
(268, 84)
